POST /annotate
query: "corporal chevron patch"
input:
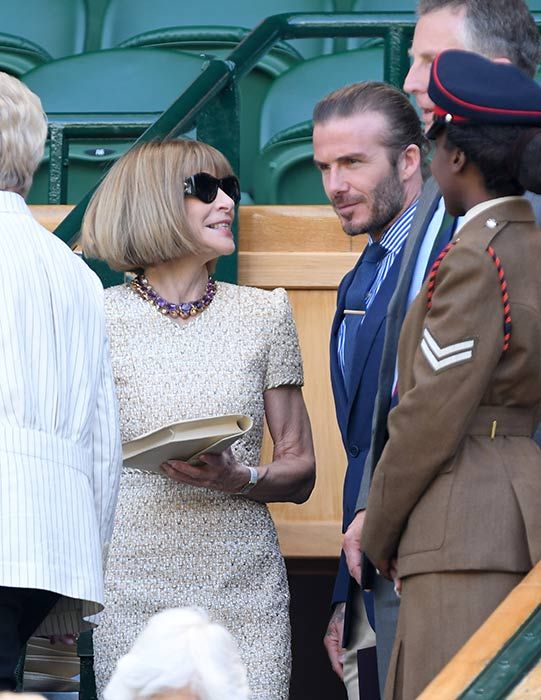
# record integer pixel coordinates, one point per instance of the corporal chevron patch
(440, 358)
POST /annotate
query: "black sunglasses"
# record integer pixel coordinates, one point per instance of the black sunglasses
(205, 187)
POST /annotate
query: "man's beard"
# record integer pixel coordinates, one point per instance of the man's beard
(387, 201)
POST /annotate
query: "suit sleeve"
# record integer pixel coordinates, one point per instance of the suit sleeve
(364, 489)
(460, 345)
(341, 583)
(107, 451)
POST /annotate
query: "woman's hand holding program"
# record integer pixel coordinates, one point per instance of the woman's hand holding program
(219, 472)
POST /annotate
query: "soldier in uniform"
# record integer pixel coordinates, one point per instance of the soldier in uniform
(453, 515)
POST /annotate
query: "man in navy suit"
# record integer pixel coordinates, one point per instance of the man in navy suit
(503, 30)
(368, 145)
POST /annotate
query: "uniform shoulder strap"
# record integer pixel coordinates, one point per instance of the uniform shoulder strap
(507, 324)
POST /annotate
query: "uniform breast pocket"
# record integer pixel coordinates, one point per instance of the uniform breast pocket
(427, 523)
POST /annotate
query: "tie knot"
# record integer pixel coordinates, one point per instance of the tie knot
(374, 253)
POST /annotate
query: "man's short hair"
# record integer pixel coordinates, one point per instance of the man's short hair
(23, 131)
(495, 29)
(403, 125)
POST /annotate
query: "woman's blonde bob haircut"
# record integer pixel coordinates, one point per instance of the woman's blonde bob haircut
(137, 216)
(23, 130)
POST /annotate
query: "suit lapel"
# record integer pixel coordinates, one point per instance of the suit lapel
(428, 203)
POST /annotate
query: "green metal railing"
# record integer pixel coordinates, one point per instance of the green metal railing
(512, 663)
(211, 102)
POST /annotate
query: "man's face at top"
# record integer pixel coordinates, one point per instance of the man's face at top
(363, 186)
(434, 32)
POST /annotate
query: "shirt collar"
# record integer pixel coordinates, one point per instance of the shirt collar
(13, 203)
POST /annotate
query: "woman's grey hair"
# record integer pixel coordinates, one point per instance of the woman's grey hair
(495, 29)
(23, 131)
(179, 649)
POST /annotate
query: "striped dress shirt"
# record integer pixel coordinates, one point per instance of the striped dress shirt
(60, 452)
(392, 240)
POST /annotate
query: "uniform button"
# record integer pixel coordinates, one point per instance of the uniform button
(354, 450)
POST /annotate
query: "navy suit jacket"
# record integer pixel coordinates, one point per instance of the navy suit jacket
(354, 407)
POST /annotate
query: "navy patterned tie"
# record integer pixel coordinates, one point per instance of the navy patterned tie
(356, 301)
(364, 277)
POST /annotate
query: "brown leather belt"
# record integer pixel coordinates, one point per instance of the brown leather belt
(498, 420)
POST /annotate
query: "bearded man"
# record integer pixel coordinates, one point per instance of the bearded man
(369, 148)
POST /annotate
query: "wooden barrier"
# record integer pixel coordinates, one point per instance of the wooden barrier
(50, 216)
(304, 250)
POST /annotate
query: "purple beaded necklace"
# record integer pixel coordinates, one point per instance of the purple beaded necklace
(185, 310)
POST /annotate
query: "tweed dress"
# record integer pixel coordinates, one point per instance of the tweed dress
(174, 544)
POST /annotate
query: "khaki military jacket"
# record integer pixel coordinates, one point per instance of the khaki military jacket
(458, 485)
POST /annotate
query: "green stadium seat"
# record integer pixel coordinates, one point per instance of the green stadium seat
(101, 85)
(57, 26)
(127, 18)
(88, 162)
(18, 55)
(286, 174)
(252, 88)
(384, 6)
(186, 27)
(292, 96)
(133, 85)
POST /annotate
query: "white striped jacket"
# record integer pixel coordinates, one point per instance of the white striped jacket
(60, 452)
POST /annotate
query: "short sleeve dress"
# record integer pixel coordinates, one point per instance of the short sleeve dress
(174, 544)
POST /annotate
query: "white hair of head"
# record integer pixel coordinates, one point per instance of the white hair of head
(180, 649)
(23, 131)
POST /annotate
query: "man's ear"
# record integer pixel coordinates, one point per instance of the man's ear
(409, 162)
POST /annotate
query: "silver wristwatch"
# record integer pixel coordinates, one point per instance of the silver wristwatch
(254, 478)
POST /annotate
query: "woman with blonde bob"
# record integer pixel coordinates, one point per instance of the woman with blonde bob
(185, 346)
(180, 655)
